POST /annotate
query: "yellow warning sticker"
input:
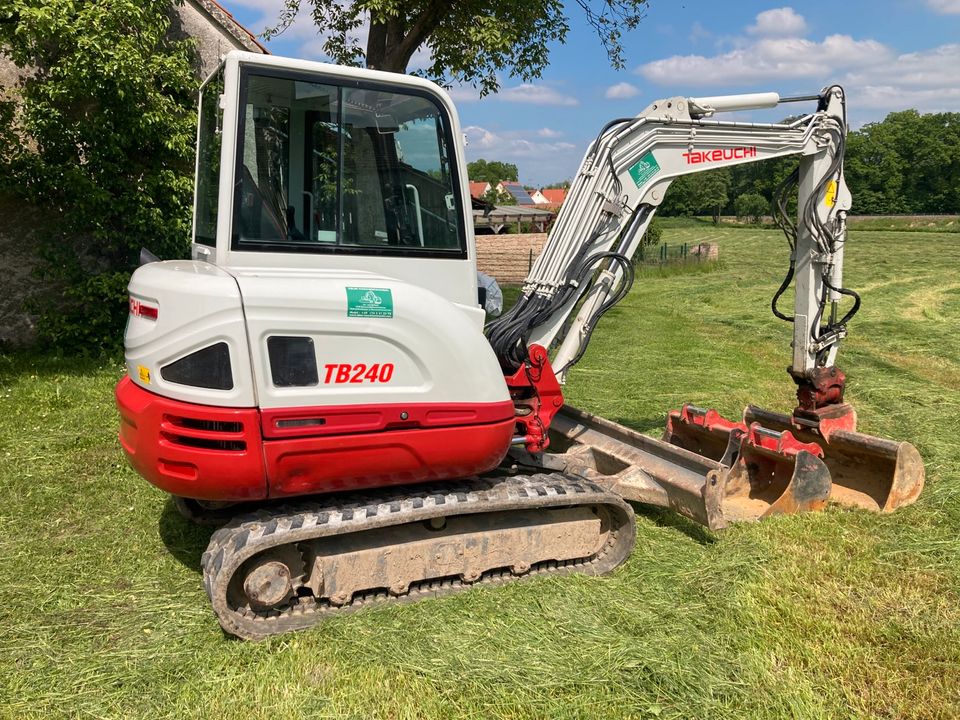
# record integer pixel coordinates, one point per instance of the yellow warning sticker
(144, 374)
(830, 199)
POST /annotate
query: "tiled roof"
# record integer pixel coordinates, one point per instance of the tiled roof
(219, 13)
(477, 189)
(555, 195)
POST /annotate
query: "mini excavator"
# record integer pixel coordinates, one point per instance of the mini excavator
(318, 379)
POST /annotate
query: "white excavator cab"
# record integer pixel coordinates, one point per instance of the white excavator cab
(321, 166)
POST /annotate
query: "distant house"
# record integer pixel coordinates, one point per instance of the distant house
(516, 191)
(549, 198)
(479, 189)
(554, 196)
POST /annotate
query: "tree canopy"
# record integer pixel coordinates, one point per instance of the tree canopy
(469, 41)
(492, 171)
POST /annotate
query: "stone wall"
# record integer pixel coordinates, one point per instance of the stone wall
(508, 257)
(215, 31)
(21, 225)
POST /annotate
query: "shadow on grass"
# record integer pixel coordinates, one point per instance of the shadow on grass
(45, 365)
(185, 540)
(666, 518)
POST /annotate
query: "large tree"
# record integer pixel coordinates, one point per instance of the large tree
(469, 41)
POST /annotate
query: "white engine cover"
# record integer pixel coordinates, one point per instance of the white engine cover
(436, 352)
(413, 346)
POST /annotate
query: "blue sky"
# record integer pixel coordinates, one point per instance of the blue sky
(889, 55)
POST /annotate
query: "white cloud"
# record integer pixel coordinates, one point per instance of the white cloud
(536, 95)
(511, 143)
(540, 161)
(549, 133)
(938, 67)
(780, 22)
(524, 93)
(928, 81)
(945, 7)
(768, 60)
(621, 91)
(877, 78)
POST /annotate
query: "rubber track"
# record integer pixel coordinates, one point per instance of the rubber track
(253, 533)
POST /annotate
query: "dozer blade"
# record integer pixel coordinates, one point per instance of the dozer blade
(756, 473)
(867, 471)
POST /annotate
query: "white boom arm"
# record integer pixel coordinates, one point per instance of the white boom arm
(622, 180)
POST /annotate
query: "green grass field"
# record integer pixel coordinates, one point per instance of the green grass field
(833, 615)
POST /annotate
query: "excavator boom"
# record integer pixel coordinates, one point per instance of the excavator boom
(768, 462)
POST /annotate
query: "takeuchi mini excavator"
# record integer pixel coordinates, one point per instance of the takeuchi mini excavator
(318, 379)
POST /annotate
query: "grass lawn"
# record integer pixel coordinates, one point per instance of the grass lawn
(833, 615)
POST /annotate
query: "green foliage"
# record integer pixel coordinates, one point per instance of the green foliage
(706, 192)
(101, 134)
(495, 197)
(751, 206)
(652, 237)
(491, 171)
(470, 42)
(89, 314)
(653, 234)
(909, 163)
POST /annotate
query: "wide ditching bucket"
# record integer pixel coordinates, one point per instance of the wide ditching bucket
(864, 471)
(867, 471)
(738, 473)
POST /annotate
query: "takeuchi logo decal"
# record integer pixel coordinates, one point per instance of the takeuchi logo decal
(695, 157)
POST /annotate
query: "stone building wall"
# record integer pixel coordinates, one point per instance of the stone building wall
(21, 225)
(215, 31)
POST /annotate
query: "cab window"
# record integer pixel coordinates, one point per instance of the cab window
(324, 168)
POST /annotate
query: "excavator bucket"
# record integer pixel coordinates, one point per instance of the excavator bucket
(862, 470)
(867, 471)
(752, 473)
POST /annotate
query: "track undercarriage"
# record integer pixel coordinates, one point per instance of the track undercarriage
(286, 568)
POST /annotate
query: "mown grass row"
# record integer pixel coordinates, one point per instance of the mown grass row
(840, 614)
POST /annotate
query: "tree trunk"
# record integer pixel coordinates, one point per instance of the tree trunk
(392, 42)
